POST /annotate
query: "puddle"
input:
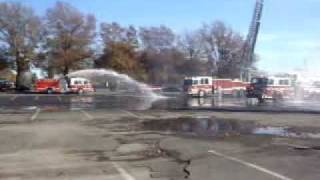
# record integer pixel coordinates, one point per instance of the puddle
(201, 126)
(284, 132)
(211, 127)
(276, 131)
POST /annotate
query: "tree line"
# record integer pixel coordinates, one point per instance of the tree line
(65, 39)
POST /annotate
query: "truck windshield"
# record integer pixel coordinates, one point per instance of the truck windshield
(259, 81)
(187, 82)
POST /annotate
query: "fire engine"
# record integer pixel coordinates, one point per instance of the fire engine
(274, 88)
(50, 86)
(206, 85)
(80, 85)
(71, 85)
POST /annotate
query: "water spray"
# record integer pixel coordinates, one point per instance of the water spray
(94, 73)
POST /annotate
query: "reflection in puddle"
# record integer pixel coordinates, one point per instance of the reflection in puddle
(211, 126)
(199, 126)
(109, 102)
(200, 102)
(284, 132)
(276, 131)
(82, 102)
(214, 102)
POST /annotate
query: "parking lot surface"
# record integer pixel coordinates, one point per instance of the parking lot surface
(131, 137)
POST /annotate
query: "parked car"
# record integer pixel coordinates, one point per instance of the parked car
(6, 85)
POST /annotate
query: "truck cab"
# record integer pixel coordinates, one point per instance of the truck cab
(198, 86)
(274, 88)
(257, 88)
(80, 85)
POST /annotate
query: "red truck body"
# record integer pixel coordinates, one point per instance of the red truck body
(72, 85)
(275, 88)
(206, 85)
(229, 86)
(50, 86)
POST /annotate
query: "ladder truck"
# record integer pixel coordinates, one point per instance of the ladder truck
(251, 40)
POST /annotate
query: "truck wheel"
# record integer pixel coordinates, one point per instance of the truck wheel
(80, 91)
(277, 97)
(260, 100)
(242, 93)
(49, 91)
(235, 93)
(201, 93)
(251, 101)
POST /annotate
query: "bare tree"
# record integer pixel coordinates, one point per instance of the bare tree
(114, 33)
(19, 32)
(159, 53)
(223, 47)
(122, 57)
(120, 50)
(3, 63)
(192, 46)
(3, 59)
(132, 36)
(69, 36)
(157, 38)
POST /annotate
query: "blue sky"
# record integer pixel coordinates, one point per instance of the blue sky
(289, 36)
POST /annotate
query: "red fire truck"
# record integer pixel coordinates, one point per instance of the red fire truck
(274, 88)
(72, 85)
(80, 85)
(206, 85)
(51, 86)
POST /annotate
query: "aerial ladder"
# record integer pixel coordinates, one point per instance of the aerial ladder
(250, 42)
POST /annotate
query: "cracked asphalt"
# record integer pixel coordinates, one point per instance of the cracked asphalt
(118, 137)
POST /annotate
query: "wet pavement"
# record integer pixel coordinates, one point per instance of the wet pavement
(199, 126)
(126, 136)
(218, 127)
(132, 101)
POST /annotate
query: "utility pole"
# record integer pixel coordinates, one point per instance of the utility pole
(251, 40)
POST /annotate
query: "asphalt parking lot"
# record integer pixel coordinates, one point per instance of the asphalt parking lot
(130, 137)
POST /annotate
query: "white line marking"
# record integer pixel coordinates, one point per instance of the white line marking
(35, 115)
(130, 114)
(13, 98)
(123, 172)
(256, 167)
(88, 116)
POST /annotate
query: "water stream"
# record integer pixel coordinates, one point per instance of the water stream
(139, 87)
